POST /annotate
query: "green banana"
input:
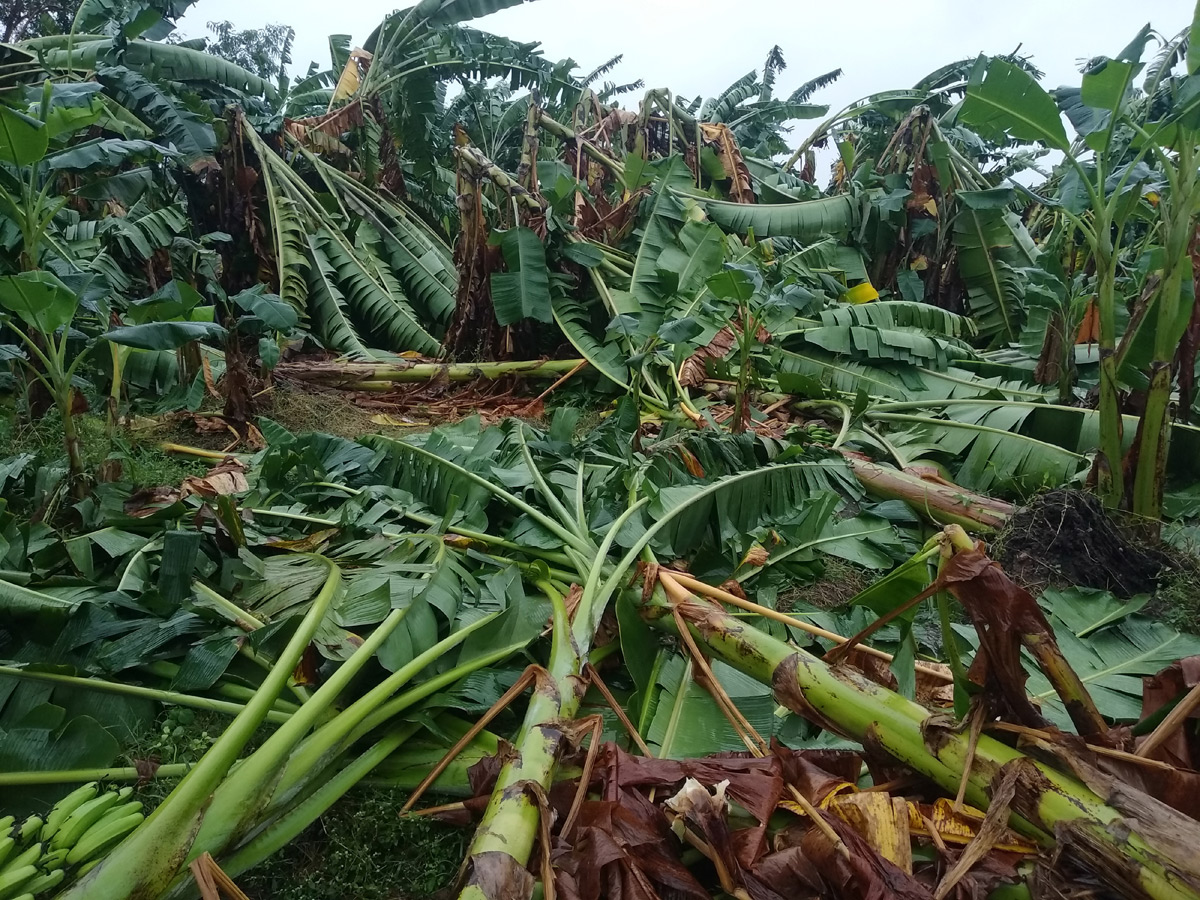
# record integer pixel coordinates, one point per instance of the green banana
(54, 859)
(118, 812)
(97, 840)
(67, 805)
(7, 845)
(84, 817)
(24, 897)
(45, 882)
(27, 857)
(30, 828)
(6, 823)
(14, 880)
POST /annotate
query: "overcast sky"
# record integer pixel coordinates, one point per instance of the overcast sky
(700, 46)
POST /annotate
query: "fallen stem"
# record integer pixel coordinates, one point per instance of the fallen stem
(716, 593)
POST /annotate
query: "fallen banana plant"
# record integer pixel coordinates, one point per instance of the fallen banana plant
(223, 804)
(465, 521)
(497, 862)
(1129, 840)
(351, 375)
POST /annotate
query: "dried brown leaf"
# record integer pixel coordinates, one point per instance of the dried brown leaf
(864, 875)
(694, 369)
(229, 477)
(1182, 748)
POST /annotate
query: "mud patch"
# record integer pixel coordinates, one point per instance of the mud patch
(1067, 538)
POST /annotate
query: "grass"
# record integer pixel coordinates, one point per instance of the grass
(837, 584)
(130, 455)
(1177, 600)
(360, 848)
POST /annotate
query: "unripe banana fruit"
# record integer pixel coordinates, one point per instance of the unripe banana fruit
(67, 805)
(99, 839)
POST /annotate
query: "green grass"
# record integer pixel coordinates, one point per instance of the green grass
(360, 848)
(141, 463)
(1177, 600)
(147, 466)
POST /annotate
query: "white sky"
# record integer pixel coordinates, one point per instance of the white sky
(700, 46)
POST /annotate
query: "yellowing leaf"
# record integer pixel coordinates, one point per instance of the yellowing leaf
(860, 293)
(756, 556)
(960, 827)
(309, 544)
(350, 79)
(395, 421)
(884, 822)
(878, 818)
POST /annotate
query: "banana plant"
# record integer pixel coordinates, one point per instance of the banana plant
(44, 307)
(1101, 191)
(1054, 803)
(1174, 140)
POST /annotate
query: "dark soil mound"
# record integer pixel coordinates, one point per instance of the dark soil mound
(1068, 538)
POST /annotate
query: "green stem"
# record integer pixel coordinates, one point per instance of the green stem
(146, 862)
(83, 776)
(285, 828)
(241, 796)
(1110, 475)
(349, 374)
(864, 711)
(1180, 229)
(240, 617)
(942, 503)
(239, 692)
(132, 690)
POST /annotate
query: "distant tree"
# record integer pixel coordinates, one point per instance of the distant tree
(266, 51)
(21, 19)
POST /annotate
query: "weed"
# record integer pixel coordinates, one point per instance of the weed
(324, 411)
(145, 465)
(1177, 600)
(363, 848)
(837, 584)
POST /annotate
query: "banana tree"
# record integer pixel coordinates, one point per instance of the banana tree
(35, 150)
(45, 307)
(1100, 194)
(1174, 140)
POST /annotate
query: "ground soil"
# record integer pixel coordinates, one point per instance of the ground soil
(1066, 537)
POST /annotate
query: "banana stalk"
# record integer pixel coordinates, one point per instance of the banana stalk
(1048, 804)
(496, 863)
(286, 827)
(505, 837)
(348, 374)
(146, 861)
(171, 698)
(945, 503)
(1177, 211)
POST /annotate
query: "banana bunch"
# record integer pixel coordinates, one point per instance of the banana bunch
(813, 433)
(37, 855)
